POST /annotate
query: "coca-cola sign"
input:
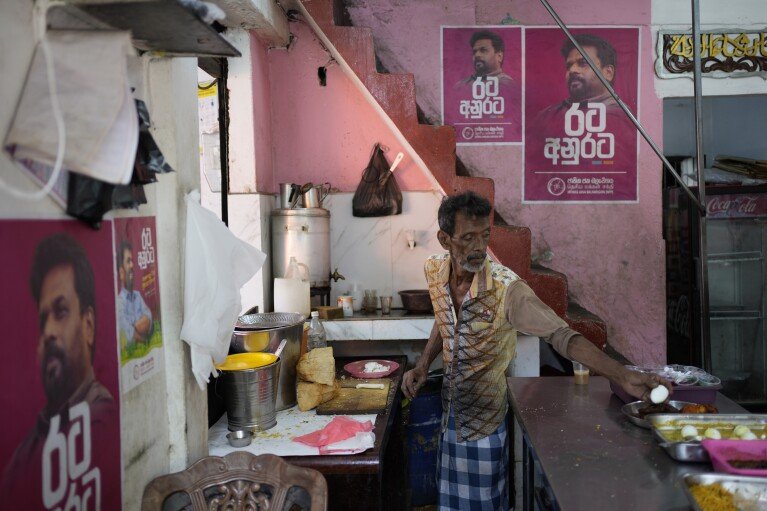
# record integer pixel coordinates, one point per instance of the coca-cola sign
(737, 206)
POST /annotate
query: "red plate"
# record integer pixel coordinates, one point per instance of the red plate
(357, 369)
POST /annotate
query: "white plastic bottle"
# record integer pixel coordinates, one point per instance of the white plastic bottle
(292, 293)
(316, 335)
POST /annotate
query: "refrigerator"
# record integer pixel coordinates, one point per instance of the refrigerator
(737, 272)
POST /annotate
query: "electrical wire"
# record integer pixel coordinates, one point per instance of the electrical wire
(41, 8)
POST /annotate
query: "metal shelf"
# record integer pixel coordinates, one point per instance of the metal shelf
(163, 26)
(734, 314)
(735, 257)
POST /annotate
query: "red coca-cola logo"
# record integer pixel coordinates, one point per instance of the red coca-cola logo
(737, 205)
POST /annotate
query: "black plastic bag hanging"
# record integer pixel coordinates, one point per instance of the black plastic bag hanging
(378, 193)
(149, 158)
(88, 199)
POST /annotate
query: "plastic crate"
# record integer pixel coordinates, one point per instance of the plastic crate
(721, 451)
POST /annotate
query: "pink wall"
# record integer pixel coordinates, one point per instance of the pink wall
(612, 254)
(262, 116)
(320, 133)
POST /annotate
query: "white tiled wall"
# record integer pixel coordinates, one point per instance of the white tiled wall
(374, 251)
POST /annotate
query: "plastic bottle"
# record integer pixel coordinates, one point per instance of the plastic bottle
(316, 335)
(292, 293)
(297, 270)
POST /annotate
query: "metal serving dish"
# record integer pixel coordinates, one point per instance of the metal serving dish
(693, 451)
(748, 492)
(631, 409)
(263, 333)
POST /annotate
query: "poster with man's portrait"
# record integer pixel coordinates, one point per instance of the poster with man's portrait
(482, 84)
(138, 300)
(579, 145)
(60, 395)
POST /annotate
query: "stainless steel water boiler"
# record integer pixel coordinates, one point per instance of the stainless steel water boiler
(302, 233)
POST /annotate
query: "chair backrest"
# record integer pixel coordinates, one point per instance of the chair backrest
(238, 481)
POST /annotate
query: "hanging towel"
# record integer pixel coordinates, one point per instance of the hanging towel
(217, 264)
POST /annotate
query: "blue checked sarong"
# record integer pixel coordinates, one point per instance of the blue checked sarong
(472, 474)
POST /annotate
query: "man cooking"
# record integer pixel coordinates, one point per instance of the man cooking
(478, 306)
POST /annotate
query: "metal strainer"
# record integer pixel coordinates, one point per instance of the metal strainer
(268, 320)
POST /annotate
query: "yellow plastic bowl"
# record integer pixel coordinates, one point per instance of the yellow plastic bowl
(243, 361)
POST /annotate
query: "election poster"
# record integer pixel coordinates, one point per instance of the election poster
(138, 300)
(60, 447)
(580, 147)
(482, 84)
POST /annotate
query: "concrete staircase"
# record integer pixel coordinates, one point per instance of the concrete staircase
(395, 93)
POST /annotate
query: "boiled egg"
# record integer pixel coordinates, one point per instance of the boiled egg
(741, 430)
(713, 434)
(749, 435)
(689, 432)
(659, 394)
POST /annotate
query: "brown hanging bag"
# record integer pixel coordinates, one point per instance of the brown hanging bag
(378, 193)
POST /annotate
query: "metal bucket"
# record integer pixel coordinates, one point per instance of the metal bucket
(265, 337)
(250, 396)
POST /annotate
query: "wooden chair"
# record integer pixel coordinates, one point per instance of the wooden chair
(239, 481)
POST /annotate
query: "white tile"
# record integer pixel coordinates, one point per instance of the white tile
(249, 221)
(348, 330)
(359, 247)
(392, 329)
(419, 213)
(527, 360)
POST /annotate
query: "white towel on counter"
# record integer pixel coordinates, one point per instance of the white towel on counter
(217, 265)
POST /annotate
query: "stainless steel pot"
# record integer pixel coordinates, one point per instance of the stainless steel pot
(304, 234)
(249, 395)
(264, 332)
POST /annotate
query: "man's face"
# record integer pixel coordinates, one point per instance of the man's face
(468, 244)
(66, 335)
(581, 80)
(486, 59)
(126, 270)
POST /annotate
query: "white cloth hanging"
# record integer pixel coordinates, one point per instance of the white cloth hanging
(95, 100)
(217, 264)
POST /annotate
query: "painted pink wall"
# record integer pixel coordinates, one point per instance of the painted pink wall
(612, 254)
(262, 115)
(321, 134)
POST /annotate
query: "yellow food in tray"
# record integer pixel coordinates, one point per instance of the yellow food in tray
(713, 497)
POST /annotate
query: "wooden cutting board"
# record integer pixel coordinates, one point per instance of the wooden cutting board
(353, 401)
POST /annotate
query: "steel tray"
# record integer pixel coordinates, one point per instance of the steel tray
(693, 451)
(749, 492)
(632, 408)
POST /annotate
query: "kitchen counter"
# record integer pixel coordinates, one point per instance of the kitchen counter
(580, 452)
(377, 315)
(374, 479)
(407, 333)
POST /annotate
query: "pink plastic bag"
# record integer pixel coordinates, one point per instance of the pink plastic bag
(340, 428)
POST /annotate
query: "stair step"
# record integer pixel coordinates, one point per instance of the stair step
(511, 245)
(321, 11)
(551, 288)
(355, 45)
(396, 95)
(436, 147)
(590, 325)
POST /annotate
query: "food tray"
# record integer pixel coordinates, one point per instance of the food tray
(690, 393)
(722, 451)
(629, 409)
(693, 451)
(268, 320)
(748, 492)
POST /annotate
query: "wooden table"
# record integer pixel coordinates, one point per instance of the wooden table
(375, 479)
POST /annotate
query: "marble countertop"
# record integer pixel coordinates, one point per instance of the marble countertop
(395, 314)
